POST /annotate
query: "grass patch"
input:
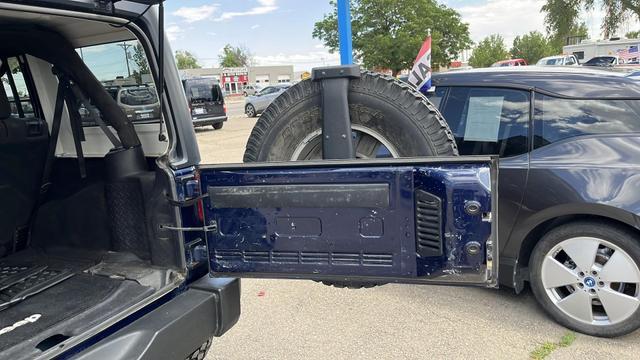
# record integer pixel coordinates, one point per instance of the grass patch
(548, 347)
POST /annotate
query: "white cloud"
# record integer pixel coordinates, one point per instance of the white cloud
(505, 17)
(265, 7)
(193, 14)
(173, 32)
(253, 27)
(301, 61)
(512, 18)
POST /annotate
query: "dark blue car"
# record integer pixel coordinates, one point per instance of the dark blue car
(569, 205)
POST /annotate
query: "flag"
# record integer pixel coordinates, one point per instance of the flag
(420, 75)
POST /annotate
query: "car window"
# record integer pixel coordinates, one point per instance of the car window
(570, 60)
(557, 119)
(138, 96)
(601, 60)
(15, 86)
(488, 121)
(123, 70)
(268, 90)
(436, 96)
(203, 90)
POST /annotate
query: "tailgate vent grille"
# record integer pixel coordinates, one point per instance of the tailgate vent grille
(304, 258)
(428, 224)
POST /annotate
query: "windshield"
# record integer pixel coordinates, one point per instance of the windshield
(553, 61)
(601, 60)
(138, 96)
(205, 89)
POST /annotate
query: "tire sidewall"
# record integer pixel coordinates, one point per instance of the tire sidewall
(386, 118)
(622, 238)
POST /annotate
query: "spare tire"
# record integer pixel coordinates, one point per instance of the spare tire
(389, 118)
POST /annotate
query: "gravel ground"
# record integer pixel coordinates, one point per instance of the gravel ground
(292, 319)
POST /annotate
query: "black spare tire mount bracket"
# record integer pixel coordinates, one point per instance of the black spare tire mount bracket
(336, 123)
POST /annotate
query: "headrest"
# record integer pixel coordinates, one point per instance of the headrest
(5, 106)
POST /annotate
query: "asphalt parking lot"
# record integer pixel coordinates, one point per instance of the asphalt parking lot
(292, 319)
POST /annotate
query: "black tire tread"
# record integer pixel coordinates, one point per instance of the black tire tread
(387, 88)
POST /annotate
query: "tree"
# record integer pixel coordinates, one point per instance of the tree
(531, 47)
(633, 34)
(563, 14)
(488, 51)
(387, 34)
(235, 56)
(186, 60)
(140, 58)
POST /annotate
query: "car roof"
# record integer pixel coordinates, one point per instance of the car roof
(576, 82)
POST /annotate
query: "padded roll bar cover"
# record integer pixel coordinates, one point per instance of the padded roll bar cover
(125, 163)
(55, 49)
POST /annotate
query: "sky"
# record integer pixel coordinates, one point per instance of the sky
(279, 31)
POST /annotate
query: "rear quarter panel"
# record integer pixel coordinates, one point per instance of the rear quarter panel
(592, 175)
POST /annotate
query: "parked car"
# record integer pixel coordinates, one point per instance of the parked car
(206, 102)
(251, 89)
(253, 105)
(559, 60)
(117, 243)
(603, 61)
(568, 210)
(140, 103)
(510, 62)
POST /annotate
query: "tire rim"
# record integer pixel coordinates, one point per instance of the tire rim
(250, 111)
(368, 144)
(591, 280)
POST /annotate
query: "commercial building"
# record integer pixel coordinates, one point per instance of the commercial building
(625, 49)
(232, 79)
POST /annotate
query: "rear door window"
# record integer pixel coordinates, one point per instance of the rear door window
(488, 121)
(203, 90)
(557, 119)
(14, 80)
(123, 70)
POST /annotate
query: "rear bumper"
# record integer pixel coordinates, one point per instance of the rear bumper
(207, 121)
(174, 330)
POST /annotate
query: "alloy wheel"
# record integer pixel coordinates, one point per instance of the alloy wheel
(250, 111)
(591, 280)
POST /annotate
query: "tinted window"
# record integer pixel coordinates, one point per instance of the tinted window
(436, 96)
(15, 86)
(557, 119)
(203, 90)
(601, 61)
(138, 96)
(488, 121)
(579, 54)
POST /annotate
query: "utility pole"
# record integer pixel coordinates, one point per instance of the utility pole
(126, 47)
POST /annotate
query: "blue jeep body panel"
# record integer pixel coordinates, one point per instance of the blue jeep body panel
(396, 221)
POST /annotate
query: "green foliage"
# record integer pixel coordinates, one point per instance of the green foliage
(140, 59)
(633, 34)
(531, 47)
(562, 15)
(548, 347)
(186, 60)
(488, 51)
(387, 34)
(235, 56)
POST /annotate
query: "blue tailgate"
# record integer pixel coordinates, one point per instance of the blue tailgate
(399, 220)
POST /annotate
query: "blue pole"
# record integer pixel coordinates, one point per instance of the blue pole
(344, 31)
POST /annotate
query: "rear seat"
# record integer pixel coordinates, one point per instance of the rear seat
(23, 150)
